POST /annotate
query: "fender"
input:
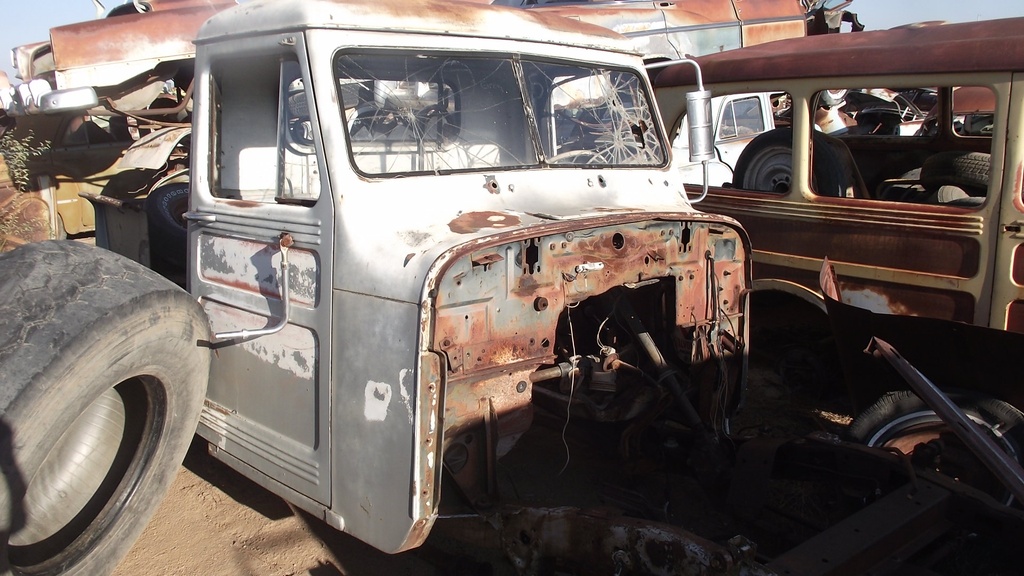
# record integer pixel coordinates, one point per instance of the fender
(153, 150)
(792, 288)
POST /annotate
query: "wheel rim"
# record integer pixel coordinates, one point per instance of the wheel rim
(907, 431)
(87, 477)
(770, 171)
(177, 209)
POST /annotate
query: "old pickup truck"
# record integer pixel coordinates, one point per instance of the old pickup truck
(439, 276)
(408, 234)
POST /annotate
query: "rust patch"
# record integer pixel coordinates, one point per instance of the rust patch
(475, 221)
(163, 34)
(769, 32)
(242, 203)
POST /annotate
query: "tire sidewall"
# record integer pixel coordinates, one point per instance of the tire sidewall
(154, 336)
(168, 235)
(904, 403)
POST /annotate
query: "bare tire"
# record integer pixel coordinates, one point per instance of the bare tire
(104, 377)
(903, 421)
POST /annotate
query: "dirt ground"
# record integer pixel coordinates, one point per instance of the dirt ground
(217, 523)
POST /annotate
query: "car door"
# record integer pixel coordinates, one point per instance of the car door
(1008, 277)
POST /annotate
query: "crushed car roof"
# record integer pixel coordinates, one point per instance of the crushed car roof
(987, 45)
(426, 16)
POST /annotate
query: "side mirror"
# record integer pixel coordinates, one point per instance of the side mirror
(698, 114)
(82, 98)
(36, 97)
(701, 133)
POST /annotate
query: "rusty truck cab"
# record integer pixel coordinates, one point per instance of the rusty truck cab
(407, 234)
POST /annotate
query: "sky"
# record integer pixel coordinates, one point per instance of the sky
(25, 21)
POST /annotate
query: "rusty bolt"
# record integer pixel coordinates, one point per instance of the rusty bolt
(521, 387)
(540, 304)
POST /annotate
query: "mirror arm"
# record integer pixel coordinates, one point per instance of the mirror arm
(698, 113)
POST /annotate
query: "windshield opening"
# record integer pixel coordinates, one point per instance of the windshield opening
(414, 113)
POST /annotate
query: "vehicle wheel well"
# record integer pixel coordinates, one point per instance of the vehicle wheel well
(791, 334)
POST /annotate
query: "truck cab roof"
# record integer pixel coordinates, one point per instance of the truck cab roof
(428, 17)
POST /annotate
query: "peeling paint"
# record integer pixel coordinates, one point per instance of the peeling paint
(403, 390)
(378, 397)
(292, 350)
(873, 301)
(254, 267)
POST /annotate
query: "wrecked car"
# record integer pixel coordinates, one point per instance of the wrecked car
(918, 211)
(144, 87)
(905, 173)
(669, 30)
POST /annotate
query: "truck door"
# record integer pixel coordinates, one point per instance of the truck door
(260, 232)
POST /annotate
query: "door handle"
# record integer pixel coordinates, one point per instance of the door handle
(199, 217)
(284, 244)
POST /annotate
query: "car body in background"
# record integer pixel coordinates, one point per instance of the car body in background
(915, 199)
(143, 80)
(737, 119)
(672, 30)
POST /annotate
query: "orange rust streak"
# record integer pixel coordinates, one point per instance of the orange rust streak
(475, 221)
(131, 37)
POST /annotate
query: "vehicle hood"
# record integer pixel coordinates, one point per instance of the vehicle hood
(394, 235)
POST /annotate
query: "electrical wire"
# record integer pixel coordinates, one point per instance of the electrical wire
(573, 363)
